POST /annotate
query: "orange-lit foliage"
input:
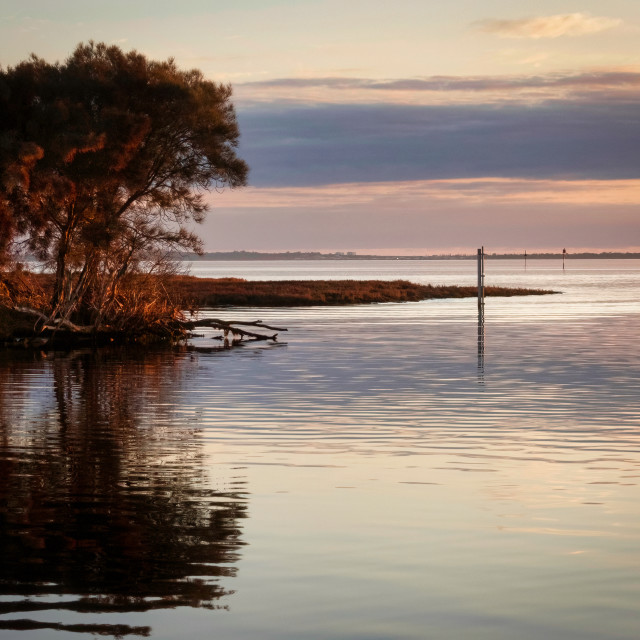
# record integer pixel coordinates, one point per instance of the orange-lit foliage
(103, 159)
(140, 309)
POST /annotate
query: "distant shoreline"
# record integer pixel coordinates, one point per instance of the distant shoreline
(311, 255)
(237, 292)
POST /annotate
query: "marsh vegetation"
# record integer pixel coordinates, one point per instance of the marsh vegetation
(159, 308)
(215, 292)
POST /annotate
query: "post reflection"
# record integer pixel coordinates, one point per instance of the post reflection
(481, 343)
(105, 506)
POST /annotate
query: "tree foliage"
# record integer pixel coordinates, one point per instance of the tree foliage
(104, 160)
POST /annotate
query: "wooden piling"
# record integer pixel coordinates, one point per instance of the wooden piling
(480, 277)
(481, 315)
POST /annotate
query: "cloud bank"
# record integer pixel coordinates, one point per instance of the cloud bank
(311, 145)
(429, 216)
(488, 191)
(432, 163)
(567, 24)
(460, 83)
(612, 85)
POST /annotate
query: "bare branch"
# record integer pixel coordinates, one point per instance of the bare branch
(227, 326)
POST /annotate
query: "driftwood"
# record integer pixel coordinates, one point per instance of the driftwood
(46, 332)
(231, 327)
(56, 324)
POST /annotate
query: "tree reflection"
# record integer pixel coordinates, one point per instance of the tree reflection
(104, 501)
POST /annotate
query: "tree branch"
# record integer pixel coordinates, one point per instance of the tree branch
(227, 326)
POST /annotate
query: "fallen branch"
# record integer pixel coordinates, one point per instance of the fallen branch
(58, 323)
(31, 312)
(230, 326)
(60, 331)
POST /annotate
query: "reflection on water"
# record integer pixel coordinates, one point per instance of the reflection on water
(105, 504)
(481, 342)
(408, 478)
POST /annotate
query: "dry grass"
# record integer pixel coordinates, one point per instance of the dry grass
(140, 310)
(192, 291)
(20, 288)
(148, 306)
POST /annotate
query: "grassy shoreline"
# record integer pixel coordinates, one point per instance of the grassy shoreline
(217, 292)
(158, 315)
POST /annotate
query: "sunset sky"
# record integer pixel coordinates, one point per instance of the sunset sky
(410, 126)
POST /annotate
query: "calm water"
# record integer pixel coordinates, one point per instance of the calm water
(388, 471)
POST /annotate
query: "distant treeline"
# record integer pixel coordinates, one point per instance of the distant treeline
(316, 255)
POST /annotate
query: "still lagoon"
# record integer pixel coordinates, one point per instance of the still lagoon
(390, 471)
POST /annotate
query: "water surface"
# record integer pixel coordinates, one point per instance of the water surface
(385, 471)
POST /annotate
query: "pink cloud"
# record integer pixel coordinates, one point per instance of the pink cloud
(555, 26)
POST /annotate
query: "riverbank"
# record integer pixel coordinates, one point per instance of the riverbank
(150, 307)
(216, 292)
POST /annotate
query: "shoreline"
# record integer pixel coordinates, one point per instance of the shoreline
(182, 295)
(237, 292)
(249, 256)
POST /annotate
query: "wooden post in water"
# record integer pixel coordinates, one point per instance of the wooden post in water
(481, 315)
(480, 277)
(525, 258)
(564, 253)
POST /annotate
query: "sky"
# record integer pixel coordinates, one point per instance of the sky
(404, 127)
